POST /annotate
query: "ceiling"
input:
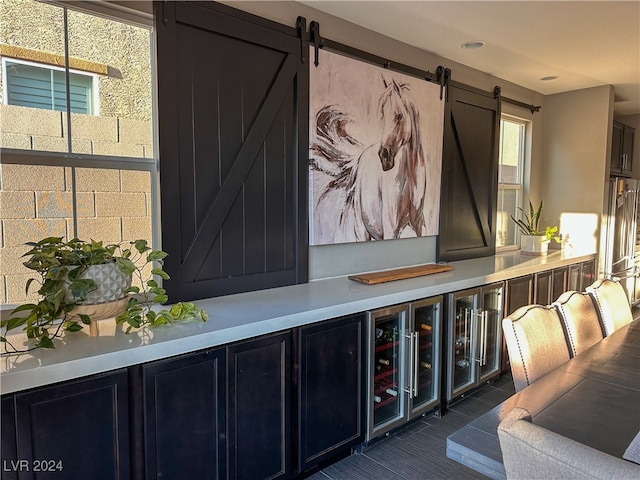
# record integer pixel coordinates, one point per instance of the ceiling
(584, 43)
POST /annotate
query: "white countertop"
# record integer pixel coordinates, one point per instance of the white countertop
(246, 315)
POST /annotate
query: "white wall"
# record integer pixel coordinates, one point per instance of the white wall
(575, 162)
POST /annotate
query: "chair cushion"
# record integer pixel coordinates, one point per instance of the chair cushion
(536, 343)
(531, 452)
(580, 320)
(613, 304)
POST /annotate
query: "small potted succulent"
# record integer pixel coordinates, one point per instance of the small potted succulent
(81, 282)
(532, 240)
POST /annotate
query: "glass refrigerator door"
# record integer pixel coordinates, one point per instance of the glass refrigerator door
(423, 384)
(462, 367)
(387, 362)
(490, 332)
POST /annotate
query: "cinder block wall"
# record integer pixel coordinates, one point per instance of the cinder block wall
(35, 201)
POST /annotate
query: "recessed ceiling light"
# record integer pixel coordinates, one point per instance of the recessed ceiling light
(472, 45)
(549, 78)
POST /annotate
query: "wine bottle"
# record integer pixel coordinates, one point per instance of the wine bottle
(377, 398)
(383, 361)
(425, 326)
(463, 362)
(392, 392)
(426, 365)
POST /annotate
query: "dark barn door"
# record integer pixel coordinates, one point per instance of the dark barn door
(469, 176)
(233, 124)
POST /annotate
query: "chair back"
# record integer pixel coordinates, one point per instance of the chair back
(612, 304)
(535, 343)
(580, 321)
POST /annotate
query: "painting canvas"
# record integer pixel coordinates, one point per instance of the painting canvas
(375, 152)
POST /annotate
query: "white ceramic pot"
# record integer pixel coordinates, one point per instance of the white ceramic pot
(111, 284)
(533, 245)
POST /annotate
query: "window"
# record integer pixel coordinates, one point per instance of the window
(36, 86)
(89, 172)
(510, 180)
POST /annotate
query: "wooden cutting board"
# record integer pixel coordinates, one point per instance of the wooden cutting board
(399, 273)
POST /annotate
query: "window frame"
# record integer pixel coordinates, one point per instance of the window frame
(11, 156)
(520, 187)
(95, 103)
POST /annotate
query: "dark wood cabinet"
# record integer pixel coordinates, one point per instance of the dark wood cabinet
(184, 416)
(79, 428)
(622, 140)
(560, 282)
(581, 275)
(259, 408)
(10, 465)
(542, 287)
(330, 389)
(519, 292)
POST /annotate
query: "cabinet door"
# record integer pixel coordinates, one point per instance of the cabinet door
(330, 389)
(519, 293)
(184, 416)
(259, 386)
(81, 426)
(425, 385)
(462, 344)
(616, 148)
(628, 134)
(387, 365)
(588, 273)
(575, 277)
(542, 292)
(489, 332)
(10, 465)
(560, 282)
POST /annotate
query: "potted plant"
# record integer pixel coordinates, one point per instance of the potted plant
(532, 240)
(81, 282)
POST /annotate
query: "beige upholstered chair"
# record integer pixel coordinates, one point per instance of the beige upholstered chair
(612, 303)
(580, 320)
(535, 342)
(530, 452)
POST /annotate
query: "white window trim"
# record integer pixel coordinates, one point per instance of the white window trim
(94, 80)
(523, 171)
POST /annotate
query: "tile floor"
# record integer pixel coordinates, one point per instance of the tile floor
(418, 452)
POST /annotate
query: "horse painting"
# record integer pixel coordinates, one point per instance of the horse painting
(375, 191)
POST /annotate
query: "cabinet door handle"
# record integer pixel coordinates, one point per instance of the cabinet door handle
(485, 328)
(416, 354)
(412, 365)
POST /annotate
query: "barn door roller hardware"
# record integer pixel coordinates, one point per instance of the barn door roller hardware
(532, 108)
(316, 40)
(301, 27)
(443, 77)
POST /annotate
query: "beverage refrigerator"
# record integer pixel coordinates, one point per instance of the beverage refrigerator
(622, 248)
(474, 338)
(403, 364)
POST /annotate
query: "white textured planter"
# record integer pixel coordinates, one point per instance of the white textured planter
(111, 284)
(533, 245)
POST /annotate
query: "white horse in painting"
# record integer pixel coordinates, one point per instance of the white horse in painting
(375, 192)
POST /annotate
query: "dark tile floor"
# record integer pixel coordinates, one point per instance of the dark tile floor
(418, 452)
